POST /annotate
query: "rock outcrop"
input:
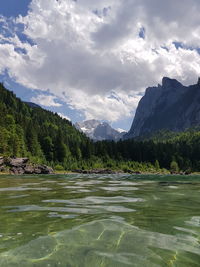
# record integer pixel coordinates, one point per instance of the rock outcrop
(16, 162)
(19, 166)
(169, 106)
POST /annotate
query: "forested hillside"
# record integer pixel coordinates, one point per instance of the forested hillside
(39, 134)
(45, 137)
(163, 150)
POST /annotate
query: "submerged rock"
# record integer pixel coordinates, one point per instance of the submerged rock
(104, 243)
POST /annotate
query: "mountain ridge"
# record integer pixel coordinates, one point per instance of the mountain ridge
(170, 106)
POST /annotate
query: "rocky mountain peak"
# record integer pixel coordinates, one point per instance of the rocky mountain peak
(169, 106)
(168, 83)
(98, 130)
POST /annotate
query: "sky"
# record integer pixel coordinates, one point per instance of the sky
(87, 59)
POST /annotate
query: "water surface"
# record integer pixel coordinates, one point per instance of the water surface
(95, 220)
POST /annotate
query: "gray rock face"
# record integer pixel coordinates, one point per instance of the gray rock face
(98, 131)
(169, 106)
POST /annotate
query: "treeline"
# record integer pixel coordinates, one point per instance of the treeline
(183, 150)
(45, 137)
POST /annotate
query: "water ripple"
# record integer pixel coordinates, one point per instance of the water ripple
(108, 242)
(95, 220)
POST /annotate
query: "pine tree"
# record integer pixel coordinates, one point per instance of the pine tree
(174, 168)
(157, 165)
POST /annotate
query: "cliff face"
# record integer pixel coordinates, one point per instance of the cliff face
(169, 106)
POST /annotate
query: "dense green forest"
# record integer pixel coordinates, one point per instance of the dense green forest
(37, 133)
(45, 137)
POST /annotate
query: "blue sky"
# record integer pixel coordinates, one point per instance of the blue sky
(12, 8)
(94, 59)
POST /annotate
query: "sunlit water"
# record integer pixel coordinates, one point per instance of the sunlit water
(91, 221)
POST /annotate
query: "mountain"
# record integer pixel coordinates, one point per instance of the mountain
(170, 106)
(99, 131)
(44, 137)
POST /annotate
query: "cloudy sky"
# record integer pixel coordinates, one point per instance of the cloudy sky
(93, 59)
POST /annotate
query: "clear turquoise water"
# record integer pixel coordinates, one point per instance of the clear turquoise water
(91, 221)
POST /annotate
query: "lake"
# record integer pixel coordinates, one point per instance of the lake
(99, 220)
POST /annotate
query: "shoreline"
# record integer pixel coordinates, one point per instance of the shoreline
(104, 173)
(23, 166)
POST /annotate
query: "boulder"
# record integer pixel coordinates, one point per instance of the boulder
(29, 169)
(38, 169)
(1, 161)
(2, 168)
(17, 170)
(45, 169)
(17, 162)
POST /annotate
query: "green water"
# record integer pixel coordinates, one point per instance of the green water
(91, 221)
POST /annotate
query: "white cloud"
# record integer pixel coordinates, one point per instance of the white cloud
(64, 116)
(46, 100)
(110, 107)
(89, 54)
